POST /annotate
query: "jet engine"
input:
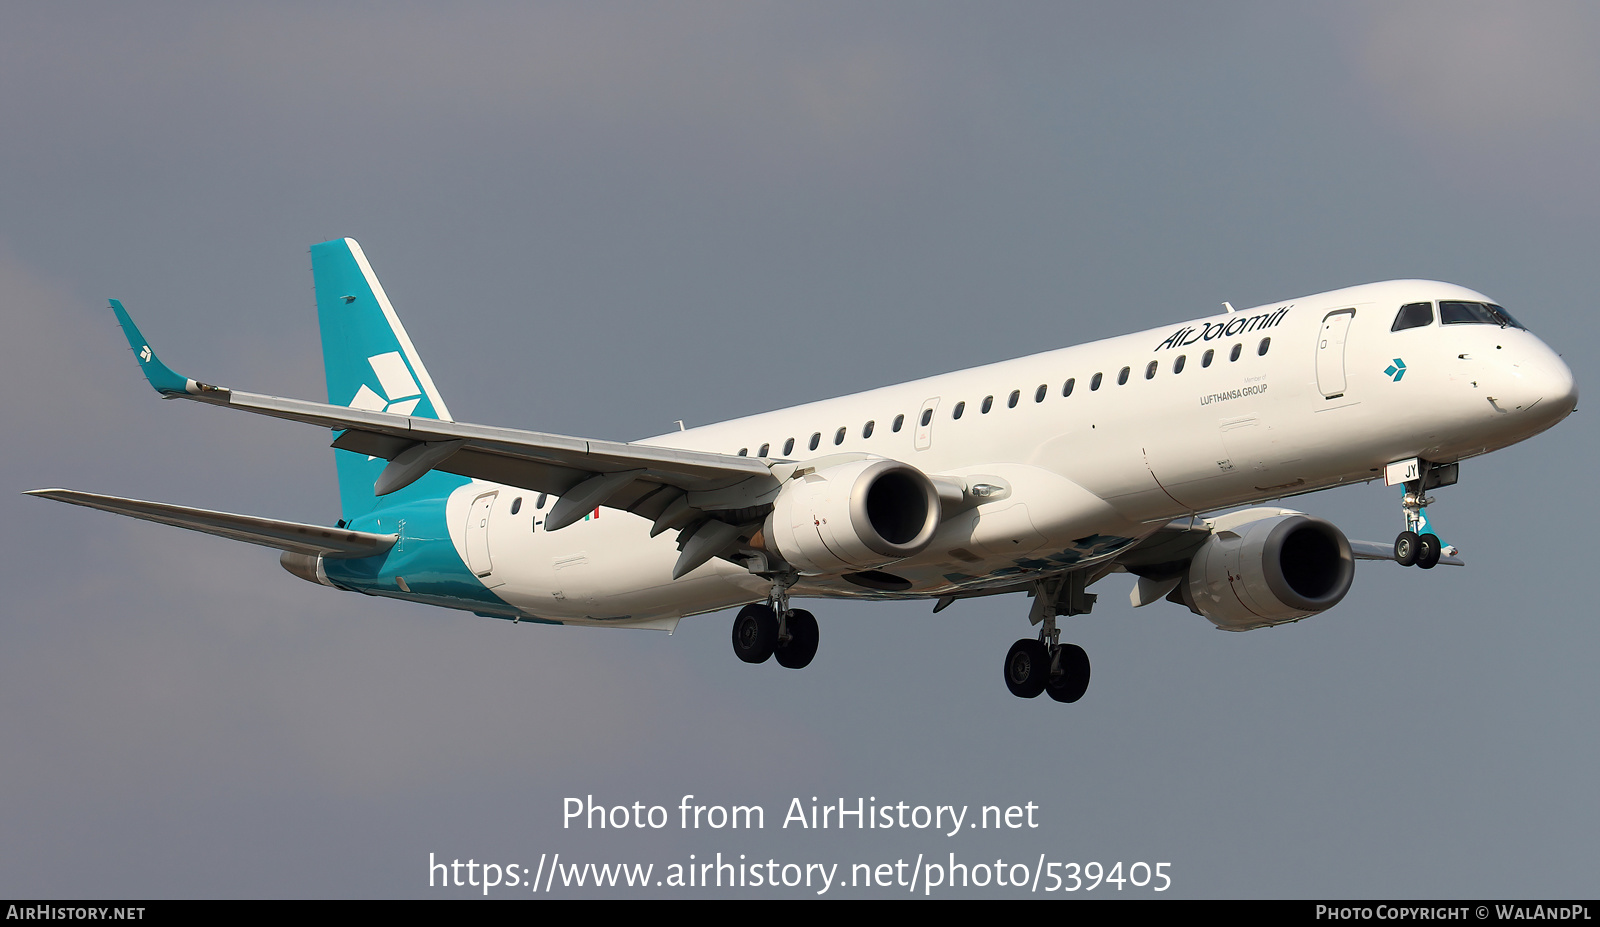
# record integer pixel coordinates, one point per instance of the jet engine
(1269, 571)
(854, 516)
(306, 566)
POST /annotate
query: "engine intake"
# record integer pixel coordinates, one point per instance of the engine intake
(855, 516)
(1269, 571)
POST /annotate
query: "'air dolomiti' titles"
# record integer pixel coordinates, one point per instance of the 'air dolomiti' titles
(1189, 334)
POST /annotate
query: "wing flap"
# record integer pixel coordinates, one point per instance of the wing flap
(268, 532)
(528, 459)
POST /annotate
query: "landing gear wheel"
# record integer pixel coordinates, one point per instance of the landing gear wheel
(802, 645)
(755, 633)
(1428, 551)
(1027, 668)
(1407, 547)
(1073, 680)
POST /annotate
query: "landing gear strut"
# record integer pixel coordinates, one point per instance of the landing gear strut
(761, 631)
(1045, 664)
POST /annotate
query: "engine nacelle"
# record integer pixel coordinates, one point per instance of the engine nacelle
(1269, 571)
(855, 516)
(306, 566)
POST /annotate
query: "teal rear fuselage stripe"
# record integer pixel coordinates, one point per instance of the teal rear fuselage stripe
(424, 556)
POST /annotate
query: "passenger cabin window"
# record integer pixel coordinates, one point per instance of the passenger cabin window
(899, 420)
(1094, 382)
(1011, 403)
(816, 439)
(927, 416)
(763, 451)
(866, 430)
(988, 403)
(1150, 370)
(788, 447)
(1262, 350)
(1122, 376)
(960, 408)
(1456, 312)
(516, 505)
(1066, 388)
(1234, 354)
(1177, 365)
(1413, 315)
(1205, 359)
(744, 452)
(539, 503)
(838, 436)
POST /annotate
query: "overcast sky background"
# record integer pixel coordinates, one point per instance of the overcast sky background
(598, 218)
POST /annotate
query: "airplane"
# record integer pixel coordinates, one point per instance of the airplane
(1038, 475)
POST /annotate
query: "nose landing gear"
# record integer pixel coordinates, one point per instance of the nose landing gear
(1418, 545)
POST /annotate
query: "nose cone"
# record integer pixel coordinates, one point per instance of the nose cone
(1545, 385)
(1563, 388)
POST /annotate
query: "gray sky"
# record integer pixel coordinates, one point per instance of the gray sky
(598, 218)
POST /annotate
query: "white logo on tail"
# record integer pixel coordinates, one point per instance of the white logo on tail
(400, 391)
(144, 354)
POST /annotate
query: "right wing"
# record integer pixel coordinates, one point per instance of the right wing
(1168, 550)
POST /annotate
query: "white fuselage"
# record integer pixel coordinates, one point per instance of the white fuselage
(1282, 399)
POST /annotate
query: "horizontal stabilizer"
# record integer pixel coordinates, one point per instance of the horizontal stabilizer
(1377, 550)
(335, 543)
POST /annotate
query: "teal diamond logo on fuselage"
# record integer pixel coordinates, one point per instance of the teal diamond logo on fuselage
(1395, 370)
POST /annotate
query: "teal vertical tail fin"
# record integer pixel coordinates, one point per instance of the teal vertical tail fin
(370, 364)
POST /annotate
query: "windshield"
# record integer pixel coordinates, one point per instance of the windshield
(1457, 312)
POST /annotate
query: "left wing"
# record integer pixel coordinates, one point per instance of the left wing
(669, 485)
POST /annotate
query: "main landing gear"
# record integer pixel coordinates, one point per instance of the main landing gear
(1045, 664)
(761, 631)
(1417, 545)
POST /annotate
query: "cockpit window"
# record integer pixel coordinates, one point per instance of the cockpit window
(1502, 313)
(1413, 315)
(1458, 312)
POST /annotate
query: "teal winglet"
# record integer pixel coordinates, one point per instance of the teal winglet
(162, 377)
